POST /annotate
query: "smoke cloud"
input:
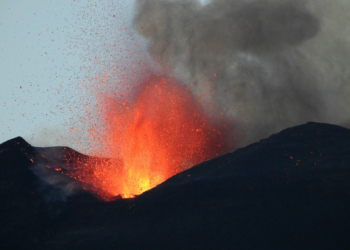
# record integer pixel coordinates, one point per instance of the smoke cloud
(54, 187)
(266, 64)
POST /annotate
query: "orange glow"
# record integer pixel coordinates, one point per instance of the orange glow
(162, 132)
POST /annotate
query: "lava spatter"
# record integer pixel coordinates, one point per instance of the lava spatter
(162, 131)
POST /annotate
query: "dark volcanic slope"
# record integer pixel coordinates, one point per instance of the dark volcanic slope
(31, 209)
(289, 191)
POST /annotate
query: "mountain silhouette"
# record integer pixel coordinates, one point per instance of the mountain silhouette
(288, 191)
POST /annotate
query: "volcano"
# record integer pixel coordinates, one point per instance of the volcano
(160, 132)
(288, 191)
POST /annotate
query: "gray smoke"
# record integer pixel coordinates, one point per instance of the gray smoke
(54, 186)
(267, 64)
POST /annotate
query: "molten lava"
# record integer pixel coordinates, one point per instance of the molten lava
(162, 132)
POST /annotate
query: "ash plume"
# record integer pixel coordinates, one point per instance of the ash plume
(266, 64)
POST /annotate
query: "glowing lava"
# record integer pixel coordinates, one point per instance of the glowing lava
(162, 132)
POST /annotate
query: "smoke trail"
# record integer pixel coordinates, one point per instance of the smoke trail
(268, 64)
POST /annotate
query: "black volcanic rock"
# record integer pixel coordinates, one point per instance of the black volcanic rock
(28, 217)
(22, 221)
(289, 191)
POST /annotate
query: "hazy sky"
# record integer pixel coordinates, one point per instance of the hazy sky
(50, 50)
(47, 49)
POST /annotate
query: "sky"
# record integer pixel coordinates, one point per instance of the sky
(51, 51)
(47, 50)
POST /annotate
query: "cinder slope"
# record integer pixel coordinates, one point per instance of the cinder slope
(289, 191)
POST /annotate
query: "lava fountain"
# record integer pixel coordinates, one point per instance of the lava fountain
(162, 132)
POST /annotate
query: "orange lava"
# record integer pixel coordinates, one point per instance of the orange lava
(162, 132)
